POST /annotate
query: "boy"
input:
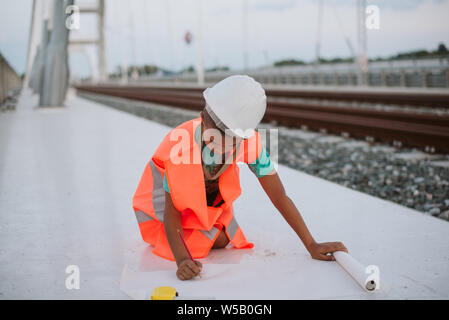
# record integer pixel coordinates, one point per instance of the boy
(191, 181)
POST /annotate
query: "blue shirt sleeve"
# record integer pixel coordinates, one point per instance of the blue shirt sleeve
(165, 184)
(263, 165)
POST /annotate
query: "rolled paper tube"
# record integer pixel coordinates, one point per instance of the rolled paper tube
(356, 270)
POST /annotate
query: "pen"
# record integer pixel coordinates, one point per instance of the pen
(185, 246)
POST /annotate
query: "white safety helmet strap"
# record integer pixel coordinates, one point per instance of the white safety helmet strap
(220, 124)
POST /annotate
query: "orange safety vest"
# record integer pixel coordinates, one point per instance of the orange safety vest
(201, 223)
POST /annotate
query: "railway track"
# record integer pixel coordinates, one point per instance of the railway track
(427, 131)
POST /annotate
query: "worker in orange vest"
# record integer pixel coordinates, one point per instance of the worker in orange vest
(189, 185)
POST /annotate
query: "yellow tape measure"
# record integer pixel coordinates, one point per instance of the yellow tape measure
(164, 293)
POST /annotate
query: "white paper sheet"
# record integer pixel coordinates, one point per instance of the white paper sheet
(362, 275)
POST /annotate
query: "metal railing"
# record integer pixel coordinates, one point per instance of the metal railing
(9, 79)
(419, 73)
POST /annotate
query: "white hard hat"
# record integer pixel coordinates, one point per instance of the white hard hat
(237, 103)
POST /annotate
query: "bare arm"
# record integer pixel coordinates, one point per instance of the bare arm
(187, 269)
(273, 187)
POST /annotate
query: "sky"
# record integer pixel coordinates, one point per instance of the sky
(152, 31)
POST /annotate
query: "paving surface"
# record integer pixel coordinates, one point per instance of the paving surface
(66, 181)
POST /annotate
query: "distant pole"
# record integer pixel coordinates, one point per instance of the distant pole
(266, 57)
(38, 69)
(170, 33)
(124, 66)
(99, 72)
(362, 63)
(200, 67)
(245, 33)
(101, 54)
(318, 33)
(56, 75)
(148, 33)
(345, 35)
(30, 41)
(134, 72)
(123, 48)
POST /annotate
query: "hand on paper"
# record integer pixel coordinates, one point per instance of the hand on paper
(320, 251)
(188, 269)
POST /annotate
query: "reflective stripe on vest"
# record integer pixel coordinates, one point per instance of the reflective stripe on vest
(142, 217)
(150, 194)
(158, 198)
(210, 234)
(232, 228)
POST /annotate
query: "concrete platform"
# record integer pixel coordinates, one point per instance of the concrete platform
(66, 181)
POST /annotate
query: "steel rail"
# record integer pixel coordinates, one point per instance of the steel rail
(410, 128)
(400, 97)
